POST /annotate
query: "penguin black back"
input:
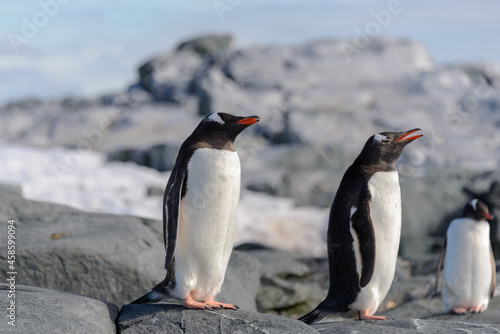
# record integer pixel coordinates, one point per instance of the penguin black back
(206, 161)
(351, 231)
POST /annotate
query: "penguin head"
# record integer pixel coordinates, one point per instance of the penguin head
(385, 148)
(224, 127)
(477, 210)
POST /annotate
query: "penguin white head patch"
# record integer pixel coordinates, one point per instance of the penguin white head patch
(473, 203)
(215, 118)
(378, 137)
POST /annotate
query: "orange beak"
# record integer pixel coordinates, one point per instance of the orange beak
(487, 215)
(405, 138)
(249, 120)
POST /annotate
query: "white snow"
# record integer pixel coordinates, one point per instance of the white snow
(84, 180)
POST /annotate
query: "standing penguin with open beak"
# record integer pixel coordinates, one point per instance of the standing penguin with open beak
(364, 230)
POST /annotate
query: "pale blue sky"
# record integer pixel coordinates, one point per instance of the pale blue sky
(90, 47)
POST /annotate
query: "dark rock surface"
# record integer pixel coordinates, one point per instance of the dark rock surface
(241, 283)
(41, 310)
(120, 258)
(160, 157)
(432, 309)
(167, 318)
(211, 44)
(404, 326)
(289, 285)
(115, 258)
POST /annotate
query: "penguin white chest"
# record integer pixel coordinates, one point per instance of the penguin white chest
(385, 212)
(206, 222)
(467, 267)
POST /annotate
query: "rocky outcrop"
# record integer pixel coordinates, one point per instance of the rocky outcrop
(404, 326)
(40, 310)
(165, 318)
(432, 309)
(160, 157)
(114, 258)
(290, 286)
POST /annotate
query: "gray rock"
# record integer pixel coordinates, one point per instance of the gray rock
(287, 284)
(432, 309)
(404, 326)
(211, 44)
(165, 318)
(277, 263)
(281, 66)
(160, 157)
(405, 290)
(115, 258)
(490, 316)
(169, 76)
(110, 257)
(309, 174)
(41, 310)
(242, 281)
(416, 309)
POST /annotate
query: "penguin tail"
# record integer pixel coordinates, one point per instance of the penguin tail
(321, 311)
(156, 294)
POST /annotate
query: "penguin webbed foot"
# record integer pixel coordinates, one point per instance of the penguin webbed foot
(364, 315)
(458, 310)
(476, 309)
(209, 305)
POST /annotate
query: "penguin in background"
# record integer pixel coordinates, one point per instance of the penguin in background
(364, 230)
(199, 213)
(469, 264)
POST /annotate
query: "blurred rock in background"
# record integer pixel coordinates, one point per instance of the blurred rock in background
(318, 101)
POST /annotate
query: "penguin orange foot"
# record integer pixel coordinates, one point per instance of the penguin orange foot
(365, 315)
(209, 304)
(458, 310)
(477, 309)
(219, 305)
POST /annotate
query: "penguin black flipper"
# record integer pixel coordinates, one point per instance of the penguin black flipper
(360, 219)
(361, 222)
(171, 205)
(174, 192)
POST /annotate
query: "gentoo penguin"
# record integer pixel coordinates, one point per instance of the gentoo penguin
(364, 230)
(199, 212)
(469, 264)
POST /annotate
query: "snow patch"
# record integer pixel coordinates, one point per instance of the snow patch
(84, 180)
